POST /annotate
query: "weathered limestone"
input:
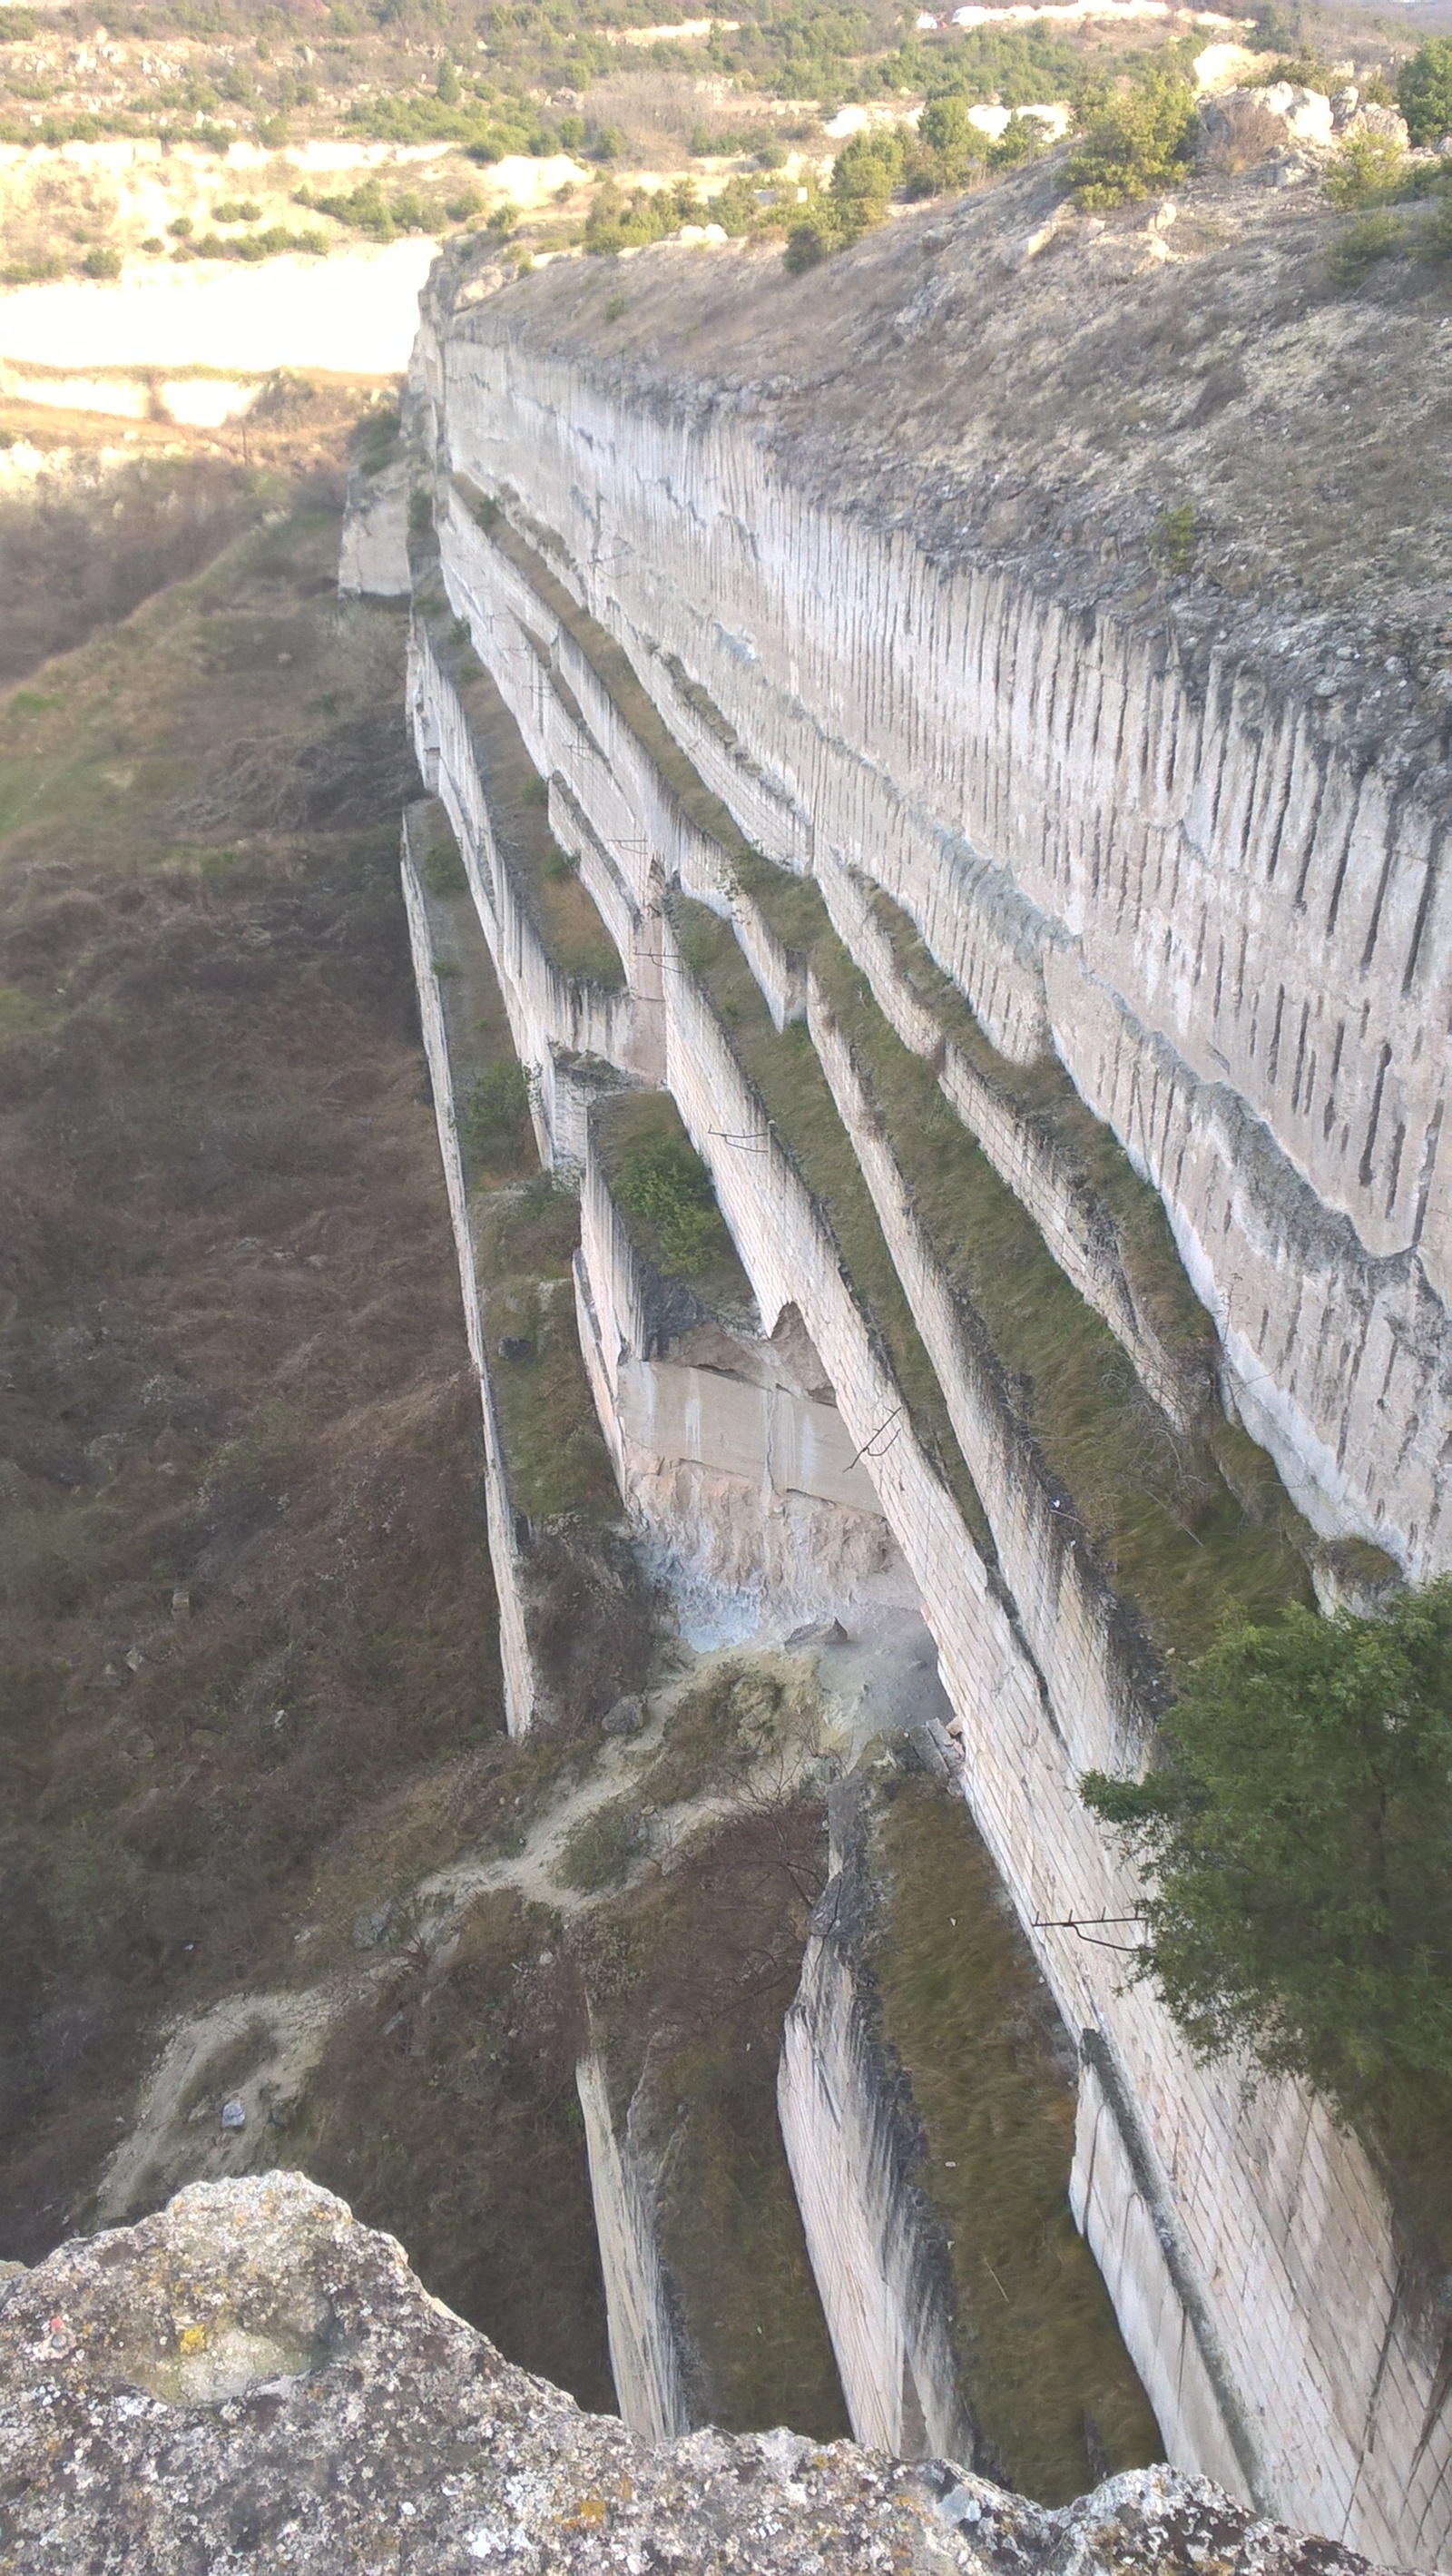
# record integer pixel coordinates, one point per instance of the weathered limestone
(516, 1661)
(1051, 799)
(646, 2360)
(253, 2379)
(1109, 857)
(532, 1566)
(739, 1472)
(881, 2266)
(373, 556)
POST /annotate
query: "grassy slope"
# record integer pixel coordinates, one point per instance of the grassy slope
(251, 1674)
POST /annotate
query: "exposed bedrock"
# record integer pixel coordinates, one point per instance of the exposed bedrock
(1112, 888)
(1133, 849)
(854, 2146)
(252, 2378)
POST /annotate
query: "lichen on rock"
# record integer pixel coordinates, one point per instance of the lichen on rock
(253, 2380)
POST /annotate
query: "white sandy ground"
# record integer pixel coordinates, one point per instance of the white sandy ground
(884, 1679)
(353, 314)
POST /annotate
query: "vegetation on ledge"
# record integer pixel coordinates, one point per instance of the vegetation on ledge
(1298, 1843)
(657, 1178)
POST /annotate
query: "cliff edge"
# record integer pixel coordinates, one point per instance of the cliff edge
(251, 2379)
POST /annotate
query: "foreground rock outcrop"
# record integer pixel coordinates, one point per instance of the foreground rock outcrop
(251, 2379)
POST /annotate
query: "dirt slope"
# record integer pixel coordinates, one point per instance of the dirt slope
(242, 1575)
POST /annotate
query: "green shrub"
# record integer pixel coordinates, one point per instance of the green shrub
(1351, 256)
(378, 440)
(616, 307)
(951, 152)
(603, 1848)
(102, 263)
(1138, 141)
(1424, 91)
(420, 514)
(864, 176)
(646, 215)
(1306, 71)
(1369, 170)
(33, 272)
(1299, 1848)
(735, 209)
(493, 1119)
(255, 247)
(1177, 535)
(442, 869)
(808, 243)
(1023, 140)
(669, 1188)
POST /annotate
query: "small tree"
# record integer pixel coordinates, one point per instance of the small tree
(1424, 91)
(1299, 1851)
(1369, 170)
(864, 176)
(951, 151)
(1138, 140)
(666, 1184)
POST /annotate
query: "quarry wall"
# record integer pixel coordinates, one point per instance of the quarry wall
(1072, 835)
(646, 2359)
(1236, 943)
(880, 2262)
(516, 1660)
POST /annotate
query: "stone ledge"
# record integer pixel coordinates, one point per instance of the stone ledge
(251, 2379)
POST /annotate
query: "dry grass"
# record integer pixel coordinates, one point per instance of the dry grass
(496, 1138)
(1188, 1531)
(445, 2111)
(992, 2073)
(613, 669)
(105, 529)
(246, 1597)
(1183, 1544)
(1043, 1095)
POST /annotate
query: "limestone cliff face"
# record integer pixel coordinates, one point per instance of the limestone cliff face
(1154, 837)
(1184, 842)
(253, 2380)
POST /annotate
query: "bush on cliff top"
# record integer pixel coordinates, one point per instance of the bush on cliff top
(1424, 91)
(1299, 1846)
(1137, 141)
